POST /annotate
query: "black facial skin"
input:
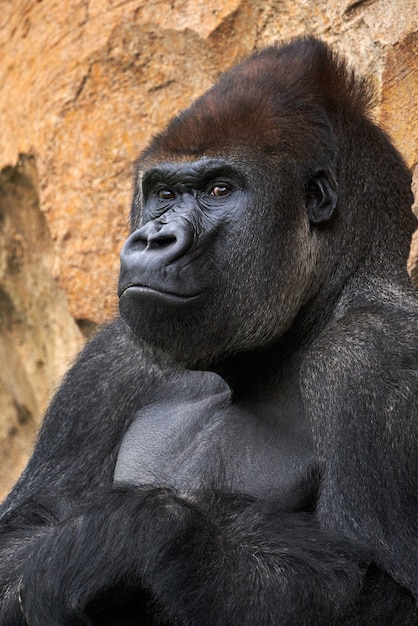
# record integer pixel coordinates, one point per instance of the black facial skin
(186, 206)
(239, 447)
(166, 267)
(170, 267)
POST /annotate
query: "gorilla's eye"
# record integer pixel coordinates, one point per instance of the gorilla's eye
(220, 190)
(165, 193)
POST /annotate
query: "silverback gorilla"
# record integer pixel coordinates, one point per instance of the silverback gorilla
(240, 446)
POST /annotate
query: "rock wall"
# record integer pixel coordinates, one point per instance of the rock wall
(84, 86)
(38, 335)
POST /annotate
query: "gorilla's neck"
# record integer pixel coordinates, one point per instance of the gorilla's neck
(261, 373)
(268, 370)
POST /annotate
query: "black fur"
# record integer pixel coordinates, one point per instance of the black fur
(240, 446)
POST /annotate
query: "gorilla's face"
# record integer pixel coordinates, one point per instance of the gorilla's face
(222, 261)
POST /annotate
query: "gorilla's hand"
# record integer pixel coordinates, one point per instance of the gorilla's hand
(150, 539)
(94, 561)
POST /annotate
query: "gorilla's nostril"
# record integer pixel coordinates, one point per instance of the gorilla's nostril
(162, 241)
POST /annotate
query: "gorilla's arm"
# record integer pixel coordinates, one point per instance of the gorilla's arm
(97, 399)
(227, 561)
(224, 563)
(361, 391)
(76, 450)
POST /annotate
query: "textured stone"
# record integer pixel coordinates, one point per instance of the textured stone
(38, 336)
(83, 89)
(399, 96)
(399, 112)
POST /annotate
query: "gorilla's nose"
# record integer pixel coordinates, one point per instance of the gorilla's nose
(156, 244)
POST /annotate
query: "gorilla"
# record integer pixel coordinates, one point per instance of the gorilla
(239, 447)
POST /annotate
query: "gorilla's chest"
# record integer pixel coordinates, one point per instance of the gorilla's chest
(211, 443)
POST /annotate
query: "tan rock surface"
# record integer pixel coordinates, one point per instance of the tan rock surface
(84, 86)
(38, 336)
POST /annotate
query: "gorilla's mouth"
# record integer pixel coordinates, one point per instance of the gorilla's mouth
(146, 292)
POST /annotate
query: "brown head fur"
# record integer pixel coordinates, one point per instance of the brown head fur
(264, 103)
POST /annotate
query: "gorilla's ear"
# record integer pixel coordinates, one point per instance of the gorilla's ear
(320, 197)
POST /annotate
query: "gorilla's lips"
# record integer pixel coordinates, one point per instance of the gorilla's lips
(142, 293)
